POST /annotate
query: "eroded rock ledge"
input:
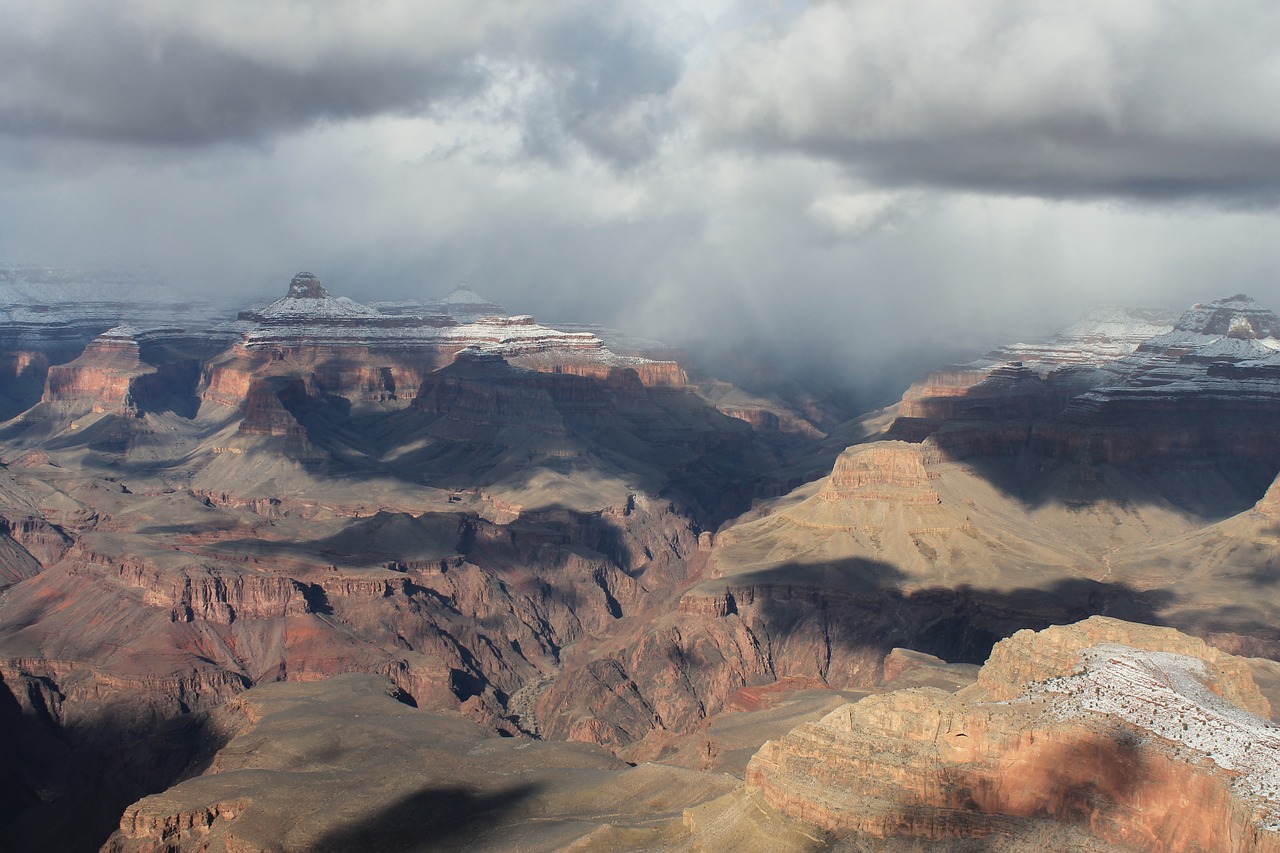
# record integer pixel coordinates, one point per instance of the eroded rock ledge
(1143, 737)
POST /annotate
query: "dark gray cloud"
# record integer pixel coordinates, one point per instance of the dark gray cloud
(197, 74)
(837, 184)
(610, 76)
(1143, 99)
(97, 72)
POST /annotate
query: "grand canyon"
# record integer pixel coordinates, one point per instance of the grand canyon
(331, 575)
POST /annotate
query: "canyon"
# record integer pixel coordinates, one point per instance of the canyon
(222, 543)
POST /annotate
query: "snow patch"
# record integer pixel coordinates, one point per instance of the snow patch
(1165, 695)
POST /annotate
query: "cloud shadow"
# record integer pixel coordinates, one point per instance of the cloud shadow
(433, 818)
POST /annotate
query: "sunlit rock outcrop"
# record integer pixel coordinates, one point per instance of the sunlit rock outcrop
(1143, 737)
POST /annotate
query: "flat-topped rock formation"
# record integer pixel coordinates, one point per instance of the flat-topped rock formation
(1205, 388)
(361, 354)
(1140, 737)
(123, 371)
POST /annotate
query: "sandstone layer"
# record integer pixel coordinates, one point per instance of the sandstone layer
(1146, 738)
(1203, 390)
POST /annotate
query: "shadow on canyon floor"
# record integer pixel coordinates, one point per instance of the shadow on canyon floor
(430, 819)
(404, 540)
(1028, 439)
(75, 782)
(858, 606)
(1208, 490)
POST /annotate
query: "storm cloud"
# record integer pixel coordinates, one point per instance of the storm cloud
(179, 74)
(1147, 99)
(824, 183)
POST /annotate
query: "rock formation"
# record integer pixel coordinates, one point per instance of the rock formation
(376, 774)
(516, 524)
(125, 371)
(1199, 390)
(341, 349)
(1142, 737)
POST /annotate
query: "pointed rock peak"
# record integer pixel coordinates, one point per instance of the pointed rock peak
(464, 295)
(1236, 316)
(306, 286)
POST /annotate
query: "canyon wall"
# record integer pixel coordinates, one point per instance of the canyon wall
(1143, 745)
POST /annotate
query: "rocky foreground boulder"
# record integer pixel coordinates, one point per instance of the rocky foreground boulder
(1140, 737)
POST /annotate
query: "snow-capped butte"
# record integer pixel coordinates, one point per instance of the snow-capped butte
(307, 300)
(308, 315)
(306, 285)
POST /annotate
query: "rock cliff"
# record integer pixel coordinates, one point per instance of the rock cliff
(365, 356)
(1142, 737)
(126, 371)
(1203, 389)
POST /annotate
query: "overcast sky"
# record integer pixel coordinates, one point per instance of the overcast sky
(837, 175)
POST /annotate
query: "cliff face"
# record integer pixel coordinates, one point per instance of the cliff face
(881, 472)
(114, 376)
(359, 354)
(1203, 389)
(1139, 744)
(355, 372)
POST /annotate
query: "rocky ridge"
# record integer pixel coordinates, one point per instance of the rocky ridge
(1204, 388)
(1144, 738)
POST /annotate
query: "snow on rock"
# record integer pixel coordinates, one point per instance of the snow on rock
(1135, 735)
(464, 295)
(462, 304)
(43, 302)
(308, 301)
(1165, 695)
(1110, 363)
(309, 315)
(1103, 334)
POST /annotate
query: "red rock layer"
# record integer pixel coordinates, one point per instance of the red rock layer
(926, 764)
(100, 379)
(111, 377)
(356, 373)
(882, 471)
(397, 375)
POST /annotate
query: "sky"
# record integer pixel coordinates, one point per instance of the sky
(835, 182)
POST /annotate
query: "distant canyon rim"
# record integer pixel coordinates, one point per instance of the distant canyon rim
(426, 575)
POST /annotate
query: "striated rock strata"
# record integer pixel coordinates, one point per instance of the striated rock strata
(1205, 389)
(125, 371)
(362, 355)
(1148, 739)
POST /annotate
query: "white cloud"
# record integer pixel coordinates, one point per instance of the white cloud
(844, 181)
(855, 215)
(1142, 99)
